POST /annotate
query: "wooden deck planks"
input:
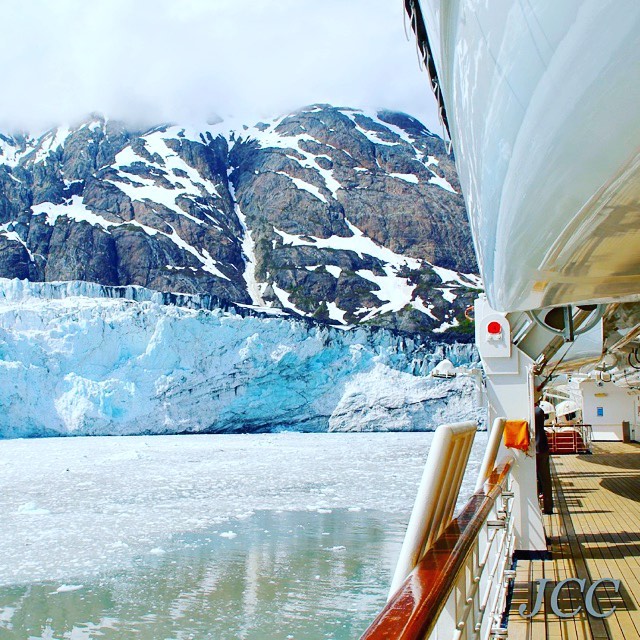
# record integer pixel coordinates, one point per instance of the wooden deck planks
(595, 533)
(608, 525)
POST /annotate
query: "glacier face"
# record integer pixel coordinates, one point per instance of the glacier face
(74, 362)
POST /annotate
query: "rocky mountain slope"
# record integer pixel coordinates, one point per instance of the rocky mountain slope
(328, 213)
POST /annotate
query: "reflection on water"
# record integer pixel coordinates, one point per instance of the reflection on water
(290, 575)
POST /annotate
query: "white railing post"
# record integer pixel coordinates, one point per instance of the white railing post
(494, 443)
(437, 495)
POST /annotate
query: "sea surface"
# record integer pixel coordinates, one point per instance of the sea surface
(274, 536)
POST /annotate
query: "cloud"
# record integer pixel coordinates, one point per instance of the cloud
(149, 61)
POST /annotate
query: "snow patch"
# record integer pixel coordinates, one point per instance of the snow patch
(419, 305)
(335, 313)
(333, 270)
(305, 186)
(447, 294)
(442, 183)
(395, 291)
(50, 142)
(358, 243)
(15, 237)
(74, 209)
(446, 325)
(407, 177)
(284, 296)
(464, 279)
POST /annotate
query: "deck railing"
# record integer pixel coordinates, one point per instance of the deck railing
(437, 494)
(575, 438)
(458, 588)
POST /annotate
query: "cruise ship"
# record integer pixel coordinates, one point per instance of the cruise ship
(539, 99)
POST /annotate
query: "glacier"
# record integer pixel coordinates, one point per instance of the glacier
(85, 359)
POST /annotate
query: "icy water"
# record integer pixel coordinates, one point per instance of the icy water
(284, 536)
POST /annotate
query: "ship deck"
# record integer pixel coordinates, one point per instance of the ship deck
(594, 533)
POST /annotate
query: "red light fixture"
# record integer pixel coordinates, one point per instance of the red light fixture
(494, 328)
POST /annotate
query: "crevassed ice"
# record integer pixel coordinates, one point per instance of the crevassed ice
(87, 365)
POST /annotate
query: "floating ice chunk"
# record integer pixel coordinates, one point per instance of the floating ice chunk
(119, 545)
(64, 588)
(229, 534)
(6, 613)
(31, 509)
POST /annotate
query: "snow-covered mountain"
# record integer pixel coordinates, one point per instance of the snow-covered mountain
(83, 359)
(328, 213)
(294, 274)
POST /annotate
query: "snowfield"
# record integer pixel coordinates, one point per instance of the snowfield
(76, 507)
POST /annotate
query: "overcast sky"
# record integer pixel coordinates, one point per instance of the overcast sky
(151, 61)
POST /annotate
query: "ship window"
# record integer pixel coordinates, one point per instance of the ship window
(599, 411)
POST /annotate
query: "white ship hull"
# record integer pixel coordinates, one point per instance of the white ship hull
(542, 99)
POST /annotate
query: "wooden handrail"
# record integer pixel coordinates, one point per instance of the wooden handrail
(413, 611)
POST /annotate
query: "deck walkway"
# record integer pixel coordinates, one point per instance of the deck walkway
(594, 533)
